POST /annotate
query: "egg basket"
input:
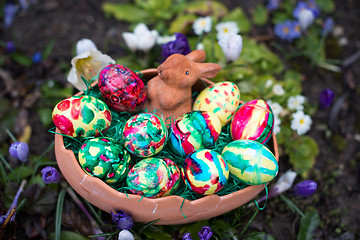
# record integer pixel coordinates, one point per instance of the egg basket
(168, 210)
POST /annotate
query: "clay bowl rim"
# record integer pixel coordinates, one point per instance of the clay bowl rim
(146, 209)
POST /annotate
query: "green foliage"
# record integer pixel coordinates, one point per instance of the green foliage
(260, 15)
(308, 224)
(125, 12)
(240, 18)
(182, 23)
(66, 235)
(302, 153)
(326, 6)
(203, 8)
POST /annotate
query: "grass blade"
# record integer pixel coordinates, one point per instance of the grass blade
(59, 209)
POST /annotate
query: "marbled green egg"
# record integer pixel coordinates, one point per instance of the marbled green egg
(81, 116)
(105, 159)
(250, 162)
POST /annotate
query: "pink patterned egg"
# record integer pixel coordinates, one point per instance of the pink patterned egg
(121, 88)
(254, 120)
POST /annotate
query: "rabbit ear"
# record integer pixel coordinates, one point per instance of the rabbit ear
(209, 70)
(197, 56)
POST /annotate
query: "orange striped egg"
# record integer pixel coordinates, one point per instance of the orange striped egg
(254, 120)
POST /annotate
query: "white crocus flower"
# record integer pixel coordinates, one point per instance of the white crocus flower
(231, 46)
(202, 24)
(160, 40)
(88, 65)
(278, 90)
(277, 122)
(283, 184)
(301, 122)
(125, 235)
(268, 83)
(84, 45)
(275, 107)
(141, 39)
(306, 18)
(200, 46)
(296, 102)
(225, 29)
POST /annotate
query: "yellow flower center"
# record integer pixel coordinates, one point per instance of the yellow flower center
(226, 30)
(302, 121)
(87, 67)
(286, 30)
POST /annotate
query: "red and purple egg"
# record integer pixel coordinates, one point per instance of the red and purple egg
(121, 88)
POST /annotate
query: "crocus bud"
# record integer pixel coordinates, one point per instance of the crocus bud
(50, 175)
(231, 46)
(326, 98)
(122, 219)
(306, 18)
(37, 57)
(305, 188)
(205, 233)
(10, 47)
(187, 236)
(125, 235)
(19, 150)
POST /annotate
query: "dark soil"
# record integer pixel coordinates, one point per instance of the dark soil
(335, 129)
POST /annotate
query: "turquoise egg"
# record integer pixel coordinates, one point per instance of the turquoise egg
(205, 171)
(193, 131)
(250, 162)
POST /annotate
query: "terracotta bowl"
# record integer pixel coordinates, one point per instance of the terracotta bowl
(166, 209)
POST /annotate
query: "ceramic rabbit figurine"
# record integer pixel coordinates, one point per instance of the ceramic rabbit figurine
(170, 91)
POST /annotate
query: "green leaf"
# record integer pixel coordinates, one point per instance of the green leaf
(240, 18)
(308, 224)
(182, 24)
(326, 6)
(48, 49)
(156, 234)
(45, 116)
(302, 152)
(260, 236)
(66, 235)
(21, 59)
(58, 216)
(125, 12)
(204, 8)
(260, 15)
(7, 121)
(279, 17)
(20, 172)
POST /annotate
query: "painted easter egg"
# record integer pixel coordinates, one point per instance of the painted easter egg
(222, 99)
(193, 131)
(205, 171)
(250, 161)
(83, 116)
(121, 88)
(105, 159)
(144, 134)
(153, 177)
(254, 120)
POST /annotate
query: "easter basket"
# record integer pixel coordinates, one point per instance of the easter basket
(167, 210)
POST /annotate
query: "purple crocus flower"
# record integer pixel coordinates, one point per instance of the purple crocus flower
(205, 233)
(50, 175)
(327, 26)
(299, 7)
(10, 47)
(312, 6)
(19, 150)
(37, 57)
(179, 45)
(187, 236)
(305, 188)
(122, 219)
(295, 30)
(9, 13)
(326, 98)
(284, 30)
(272, 5)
